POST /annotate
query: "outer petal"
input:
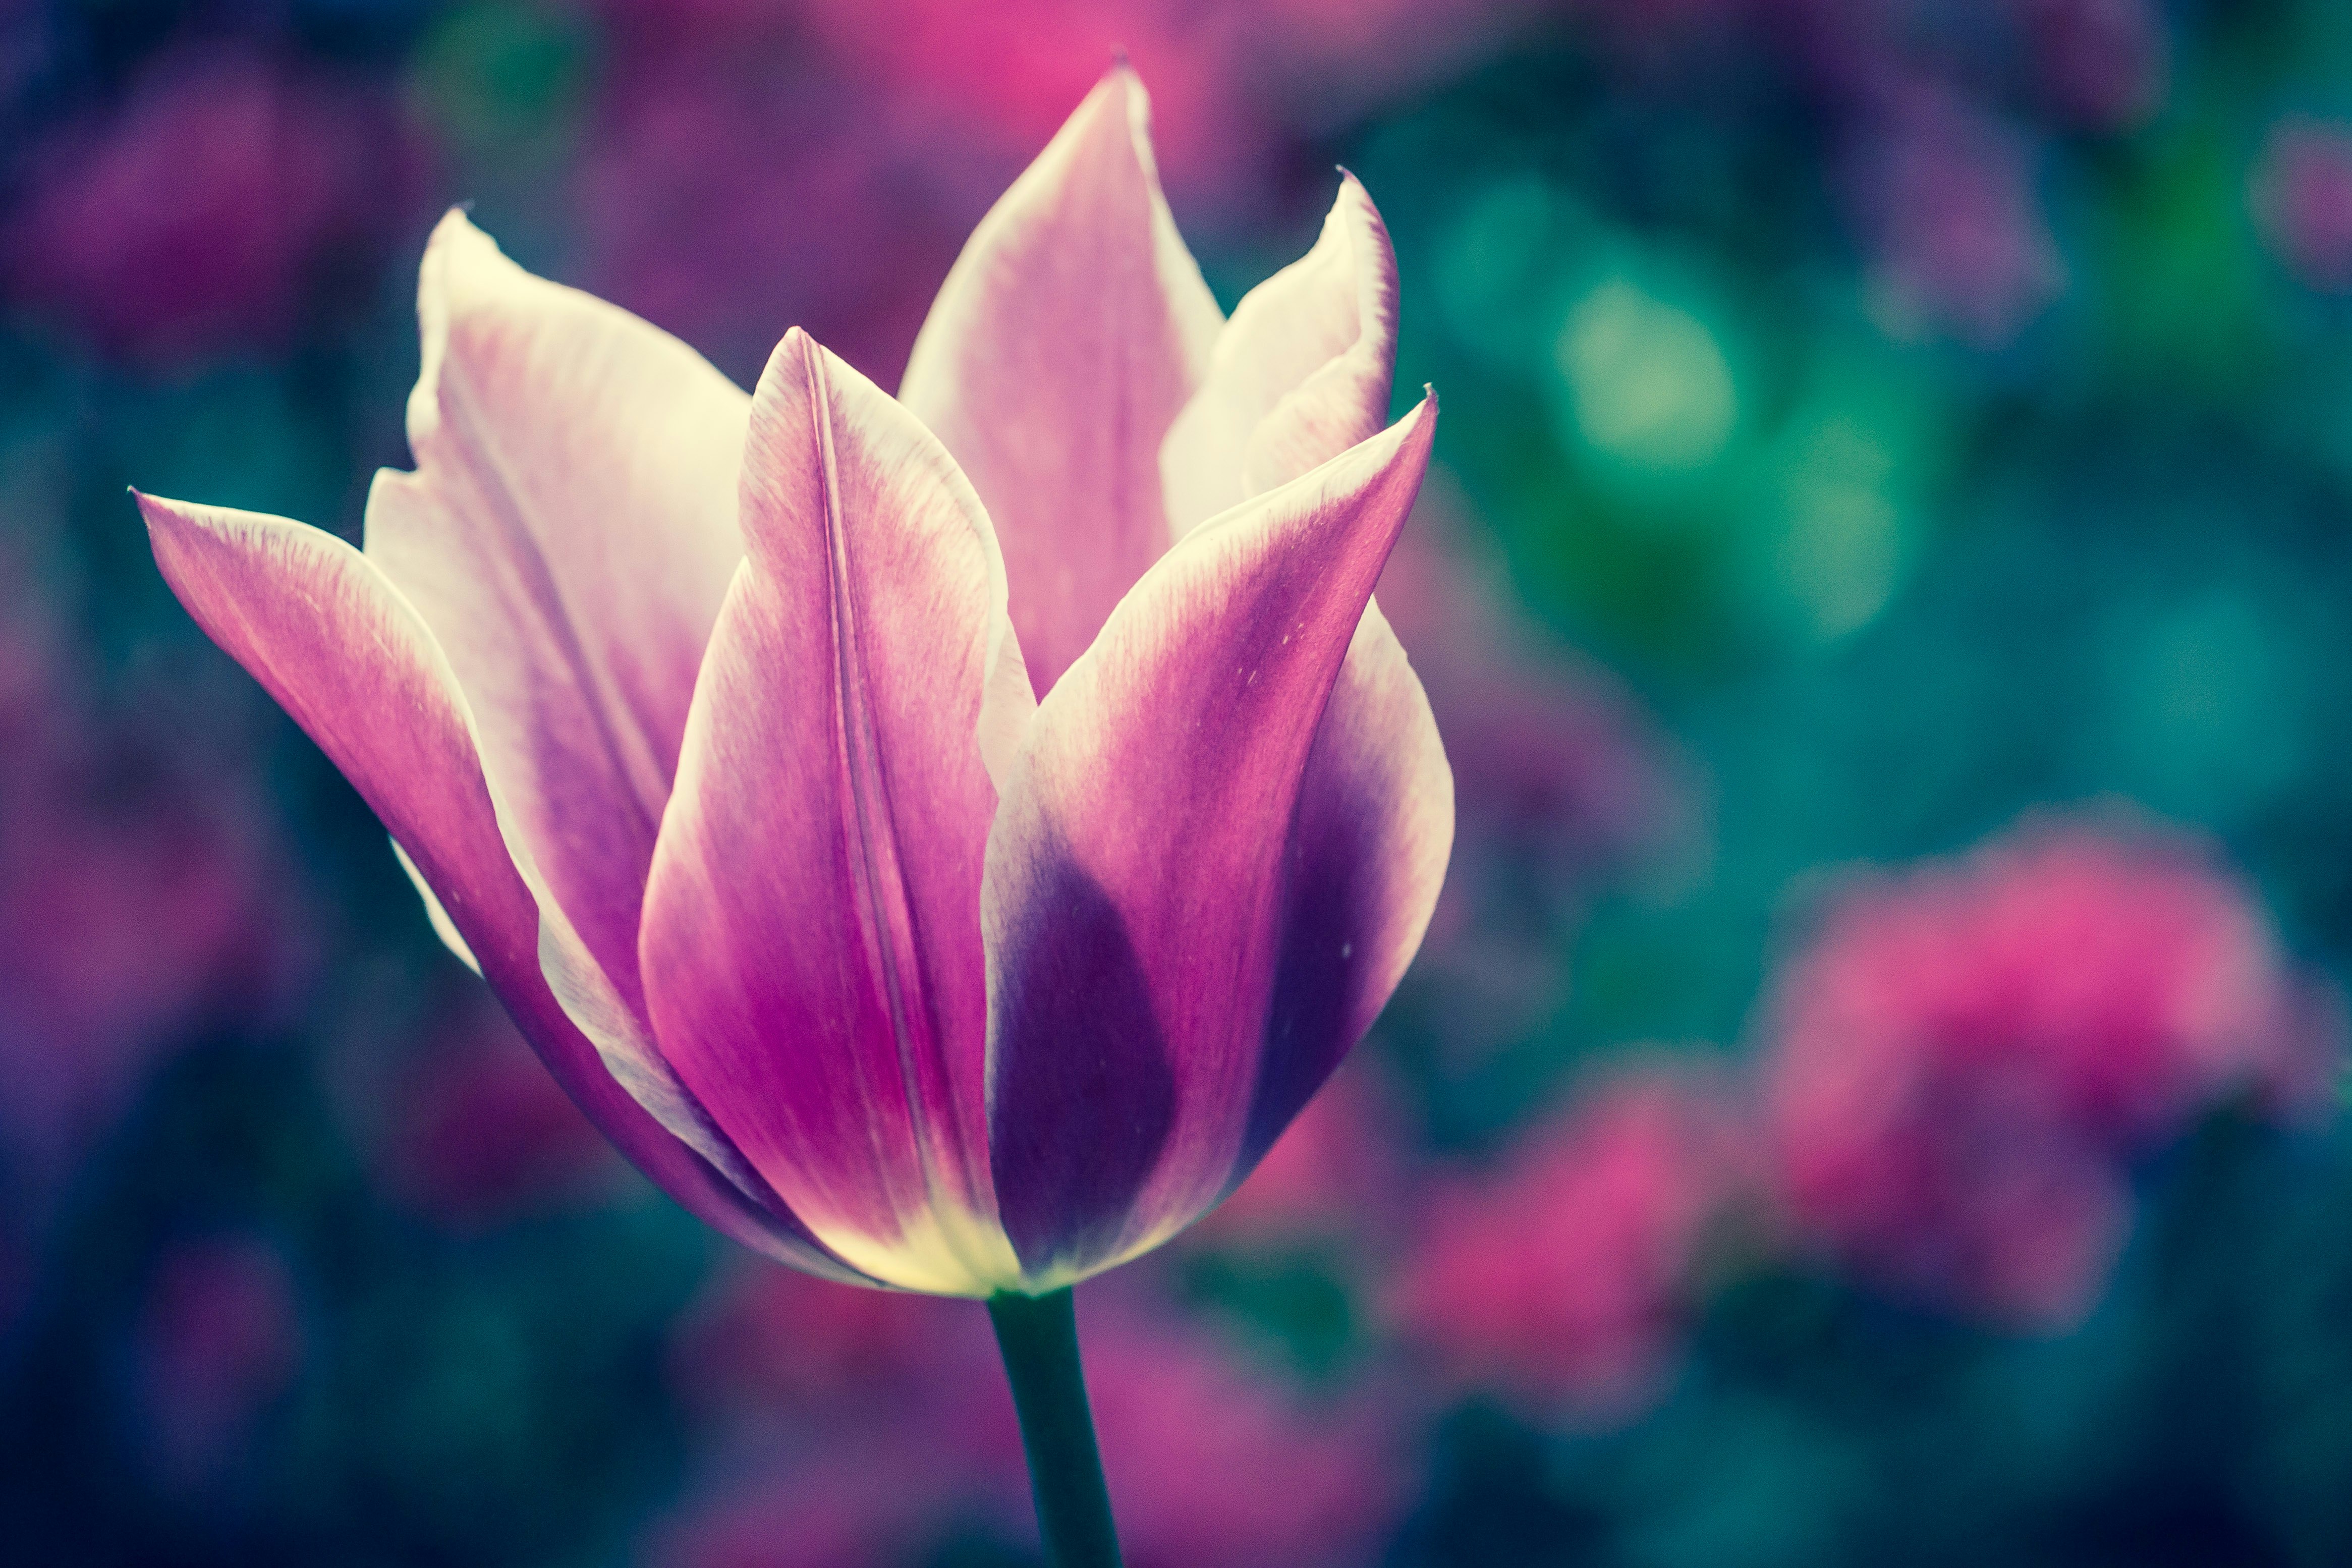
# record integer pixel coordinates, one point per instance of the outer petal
(1138, 874)
(568, 535)
(1365, 861)
(1301, 374)
(812, 944)
(1068, 334)
(342, 652)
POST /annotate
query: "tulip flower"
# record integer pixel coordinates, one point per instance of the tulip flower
(941, 840)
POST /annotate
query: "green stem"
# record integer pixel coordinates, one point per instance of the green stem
(1039, 1337)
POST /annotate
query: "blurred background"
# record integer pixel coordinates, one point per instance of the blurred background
(1872, 1092)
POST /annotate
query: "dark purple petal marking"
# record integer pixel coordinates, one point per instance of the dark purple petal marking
(1367, 856)
(1073, 978)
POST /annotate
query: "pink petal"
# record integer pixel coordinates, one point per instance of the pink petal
(568, 534)
(1068, 334)
(1141, 875)
(317, 624)
(812, 938)
(1301, 374)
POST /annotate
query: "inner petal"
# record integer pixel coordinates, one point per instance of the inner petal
(567, 536)
(1067, 336)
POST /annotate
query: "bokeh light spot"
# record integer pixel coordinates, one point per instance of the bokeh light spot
(1499, 267)
(1649, 385)
(1846, 542)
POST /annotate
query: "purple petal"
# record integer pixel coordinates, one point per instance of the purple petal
(1138, 874)
(340, 649)
(568, 534)
(1301, 374)
(1366, 859)
(812, 938)
(1068, 334)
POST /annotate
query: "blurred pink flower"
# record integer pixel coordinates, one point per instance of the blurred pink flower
(1963, 1058)
(892, 1426)
(211, 210)
(219, 1337)
(1562, 1280)
(841, 1427)
(766, 1339)
(1961, 247)
(2302, 192)
(1042, 55)
(1238, 85)
(1215, 1461)
(1334, 1175)
(476, 1130)
(865, 1500)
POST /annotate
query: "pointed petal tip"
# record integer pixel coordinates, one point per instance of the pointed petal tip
(1118, 106)
(457, 228)
(176, 529)
(792, 348)
(1352, 191)
(797, 345)
(154, 512)
(1377, 269)
(800, 356)
(1421, 419)
(1419, 422)
(462, 267)
(163, 514)
(1407, 442)
(447, 278)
